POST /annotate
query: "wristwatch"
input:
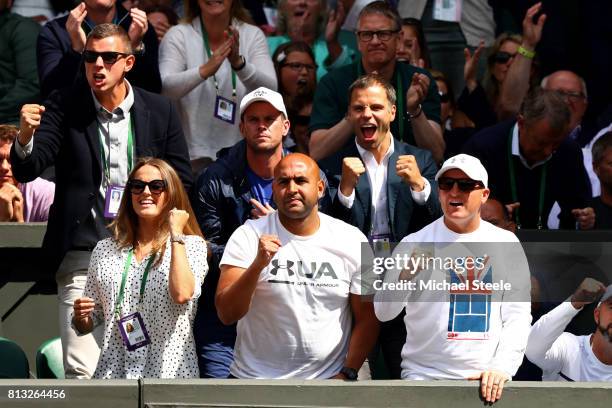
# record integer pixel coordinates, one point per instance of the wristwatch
(179, 239)
(349, 373)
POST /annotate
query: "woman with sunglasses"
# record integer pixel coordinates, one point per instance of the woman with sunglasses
(481, 101)
(207, 64)
(143, 283)
(295, 68)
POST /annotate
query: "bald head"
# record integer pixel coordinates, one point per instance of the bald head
(297, 186)
(573, 88)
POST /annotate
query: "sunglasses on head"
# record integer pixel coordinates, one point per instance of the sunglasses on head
(503, 57)
(156, 187)
(108, 57)
(465, 185)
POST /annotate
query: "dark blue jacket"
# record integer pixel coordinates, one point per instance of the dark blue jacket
(405, 216)
(59, 66)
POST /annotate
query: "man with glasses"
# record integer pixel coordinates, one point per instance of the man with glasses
(476, 326)
(394, 197)
(532, 163)
(93, 134)
(418, 110)
(62, 40)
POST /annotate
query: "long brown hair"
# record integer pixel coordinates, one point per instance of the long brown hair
(125, 226)
(237, 11)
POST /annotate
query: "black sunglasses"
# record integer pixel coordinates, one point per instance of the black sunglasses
(156, 187)
(108, 57)
(503, 57)
(383, 35)
(465, 185)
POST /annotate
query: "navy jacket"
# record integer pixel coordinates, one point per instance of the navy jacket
(566, 179)
(68, 138)
(405, 216)
(59, 66)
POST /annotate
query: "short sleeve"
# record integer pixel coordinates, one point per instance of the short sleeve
(241, 249)
(196, 255)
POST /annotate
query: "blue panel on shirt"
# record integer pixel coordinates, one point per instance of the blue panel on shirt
(261, 188)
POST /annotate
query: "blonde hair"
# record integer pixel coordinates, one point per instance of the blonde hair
(237, 11)
(125, 226)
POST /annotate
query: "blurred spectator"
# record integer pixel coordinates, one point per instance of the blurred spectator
(208, 63)
(62, 40)
(563, 356)
(309, 21)
(37, 10)
(156, 235)
(352, 9)
(496, 213)
(418, 105)
(92, 133)
(602, 166)
(531, 161)
(457, 127)
(295, 67)
(21, 202)
(18, 78)
(449, 30)
(161, 17)
(480, 101)
(412, 47)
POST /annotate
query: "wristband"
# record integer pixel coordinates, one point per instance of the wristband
(242, 64)
(526, 53)
(416, 114)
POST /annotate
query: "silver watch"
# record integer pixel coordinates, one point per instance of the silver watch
(179, 238)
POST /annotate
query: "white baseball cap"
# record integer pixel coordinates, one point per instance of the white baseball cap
(607, 295)
(470, 165)
(263, 94)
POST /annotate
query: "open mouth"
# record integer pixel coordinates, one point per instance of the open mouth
(99, 78)
(146, 202)
(213, 2)
(368, 131)
(456, 204)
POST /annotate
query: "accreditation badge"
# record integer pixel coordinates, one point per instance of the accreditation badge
(133, 331)
(112, 200)
(225, 109)
(381, 244)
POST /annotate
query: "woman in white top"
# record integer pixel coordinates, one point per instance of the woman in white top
(143, 283)
(208, 64)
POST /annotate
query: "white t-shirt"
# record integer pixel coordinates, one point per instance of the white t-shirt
(563, 356)
(299, 321)
(455, 334)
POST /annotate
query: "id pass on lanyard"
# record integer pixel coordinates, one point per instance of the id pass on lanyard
(225, 109)
(113, 192)
(132, 327)
(381, 244)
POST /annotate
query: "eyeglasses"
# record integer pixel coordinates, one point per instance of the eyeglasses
(108, 57)
(503, 57)
(572, 94)
(298, 66)
(465, 185)
(382, 35)
(156, 187)
(443, 97)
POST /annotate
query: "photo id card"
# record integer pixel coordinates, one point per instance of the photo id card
(133, 331)
(448, 10)
(225, 109)
(112, 200)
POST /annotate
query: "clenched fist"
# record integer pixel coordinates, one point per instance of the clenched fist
(588, 291)
(352, 168)
(268, 247)
(29, 120)
(177, 219)
(408, 169)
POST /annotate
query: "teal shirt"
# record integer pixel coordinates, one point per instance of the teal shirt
(331, 99)
(319, 48)
(18, 74)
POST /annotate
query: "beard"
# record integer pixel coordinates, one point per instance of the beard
(606, 332)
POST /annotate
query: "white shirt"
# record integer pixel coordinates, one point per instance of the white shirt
(563, 356)
(299, 321)
(587, 153)
(516, 151)
(377, 176)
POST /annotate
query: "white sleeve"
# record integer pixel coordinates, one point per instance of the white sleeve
(241, 249)
(196, 256)
(259, 69)
(515, 311)
(177, 78)
(346, 201)
(389, 303)
(548, 347)
(420, 197)
(24, 151)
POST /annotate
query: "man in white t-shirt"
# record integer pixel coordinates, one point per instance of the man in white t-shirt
(463, 331)
(292, 281)
(563, 356)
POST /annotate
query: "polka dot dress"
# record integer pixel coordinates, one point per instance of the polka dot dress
(171, 353)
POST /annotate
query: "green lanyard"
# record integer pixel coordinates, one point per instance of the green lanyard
(130, 152)
(143, 283)
(207, 49)
(540, 224)
(399, 86)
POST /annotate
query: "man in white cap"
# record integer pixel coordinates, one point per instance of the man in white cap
(563, 356)
(233, 189)
(470, 318)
